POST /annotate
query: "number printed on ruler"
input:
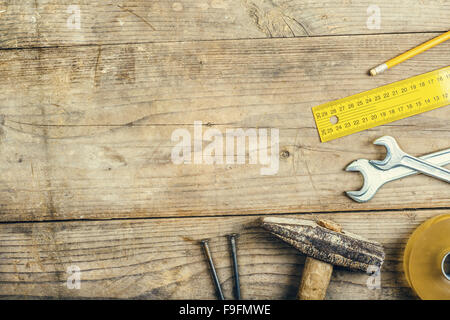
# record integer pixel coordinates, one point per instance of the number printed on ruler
(382, 105)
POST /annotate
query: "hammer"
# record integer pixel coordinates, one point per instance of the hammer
(325, 244)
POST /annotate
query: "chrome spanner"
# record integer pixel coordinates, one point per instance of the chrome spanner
(396, 157)
(375, 178)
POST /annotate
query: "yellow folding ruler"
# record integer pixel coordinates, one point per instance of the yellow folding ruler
(382, 105)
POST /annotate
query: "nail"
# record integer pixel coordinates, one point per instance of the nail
(237, 286)
(215, 278)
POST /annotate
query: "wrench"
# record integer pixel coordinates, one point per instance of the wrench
(397, 157)
(375, 178)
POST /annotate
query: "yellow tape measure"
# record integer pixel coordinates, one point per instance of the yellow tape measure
(382, 105)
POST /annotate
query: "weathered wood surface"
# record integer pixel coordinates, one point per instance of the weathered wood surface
(162, 259)
(26, 23)
(86, 131)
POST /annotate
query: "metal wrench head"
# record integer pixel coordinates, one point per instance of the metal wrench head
(394, 153)
(372, 180)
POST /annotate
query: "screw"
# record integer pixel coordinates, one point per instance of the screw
(215, 278)
(237, 286)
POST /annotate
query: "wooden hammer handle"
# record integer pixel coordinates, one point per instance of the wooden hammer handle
(315, 280)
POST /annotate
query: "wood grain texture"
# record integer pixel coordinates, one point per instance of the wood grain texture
(86, 131)
(162, 259)
(26, 23)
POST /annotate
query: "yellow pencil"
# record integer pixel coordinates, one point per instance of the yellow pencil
(409, 54)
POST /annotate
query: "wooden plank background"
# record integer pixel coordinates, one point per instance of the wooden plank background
(30, 23)
(161, 258)
(90, 135)
(86, 117)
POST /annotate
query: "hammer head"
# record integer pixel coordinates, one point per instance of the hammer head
(336, 247)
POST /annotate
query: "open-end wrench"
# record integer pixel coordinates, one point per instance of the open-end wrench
(375, 178)
(396, 157)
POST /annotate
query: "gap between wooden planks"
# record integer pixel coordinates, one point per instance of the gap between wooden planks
(52, 23)
(86, 131)
(162, 259)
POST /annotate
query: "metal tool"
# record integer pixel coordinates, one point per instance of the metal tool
(214, 276)
(237, 287)
(325, 245)
(375, 178)
(395, 157)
